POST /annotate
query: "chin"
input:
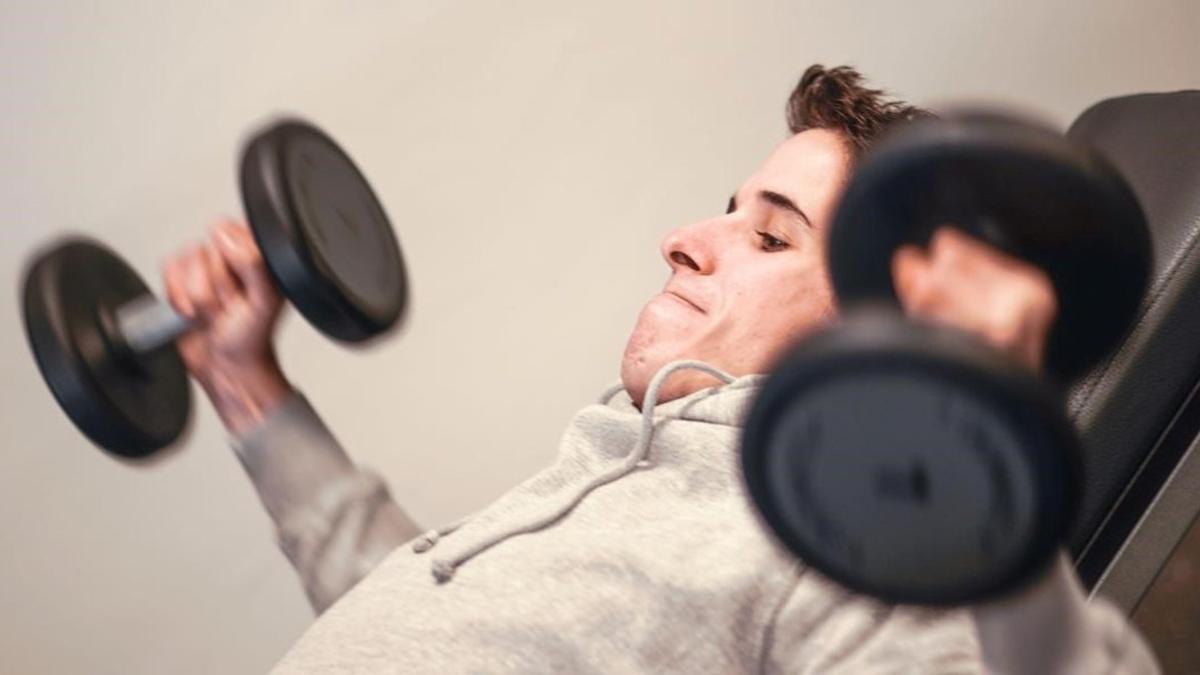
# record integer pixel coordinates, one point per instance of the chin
(635, 373)
(641, 363)
(654, 343)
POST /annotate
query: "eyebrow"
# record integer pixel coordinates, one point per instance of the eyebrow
(775, 199)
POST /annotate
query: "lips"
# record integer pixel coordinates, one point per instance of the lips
(684, 299)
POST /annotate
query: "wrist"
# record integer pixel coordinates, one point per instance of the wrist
(244, 397)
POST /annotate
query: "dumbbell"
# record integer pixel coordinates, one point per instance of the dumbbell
(105, 344)
(913, 462)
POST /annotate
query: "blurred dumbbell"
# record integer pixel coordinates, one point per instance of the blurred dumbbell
(912, 461)
(105, 344)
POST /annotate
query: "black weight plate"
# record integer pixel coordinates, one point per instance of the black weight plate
(1019, 186)
(323, 232)
(128, 408)
(909, 463)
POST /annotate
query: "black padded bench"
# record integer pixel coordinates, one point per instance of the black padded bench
(1139, 412)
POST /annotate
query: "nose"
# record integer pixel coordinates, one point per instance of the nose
(688, 247)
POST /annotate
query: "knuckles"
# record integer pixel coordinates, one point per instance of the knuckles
(965, 283)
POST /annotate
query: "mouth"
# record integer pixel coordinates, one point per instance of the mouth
(685, 301)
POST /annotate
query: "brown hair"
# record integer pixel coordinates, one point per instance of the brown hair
(837, 99)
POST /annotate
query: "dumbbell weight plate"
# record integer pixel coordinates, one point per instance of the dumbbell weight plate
(1019, 186)
(323, 232)
(129, 407)
(911, 463)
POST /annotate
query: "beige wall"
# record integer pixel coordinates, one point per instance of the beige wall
(531, 155)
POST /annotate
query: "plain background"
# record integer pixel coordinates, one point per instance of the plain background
(531, 155)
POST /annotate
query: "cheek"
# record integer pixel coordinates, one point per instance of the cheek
(772, 310)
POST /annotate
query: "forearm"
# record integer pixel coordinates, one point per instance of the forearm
(245, 398)
(334, 521)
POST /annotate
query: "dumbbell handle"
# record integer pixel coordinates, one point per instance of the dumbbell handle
(147, 323)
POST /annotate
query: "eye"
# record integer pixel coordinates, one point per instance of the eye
(770, 243)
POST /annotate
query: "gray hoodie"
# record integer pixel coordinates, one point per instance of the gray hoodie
(636, 551)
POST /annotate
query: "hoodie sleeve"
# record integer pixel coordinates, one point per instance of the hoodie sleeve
(1051, 627)
(333, 520)
(820, 627)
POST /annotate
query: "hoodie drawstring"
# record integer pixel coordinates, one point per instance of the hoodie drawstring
(428, 539)
(443, 568)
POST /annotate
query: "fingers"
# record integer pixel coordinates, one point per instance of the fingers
(205, 278)
(911, 269)
(224, 286)
(198, 283)
(949, 265)
(941, 283)
(174, 272)
(960, 281)
(240, 253)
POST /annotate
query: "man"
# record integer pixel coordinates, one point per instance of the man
(638, 550)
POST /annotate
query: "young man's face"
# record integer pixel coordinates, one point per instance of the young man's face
(747, 284)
